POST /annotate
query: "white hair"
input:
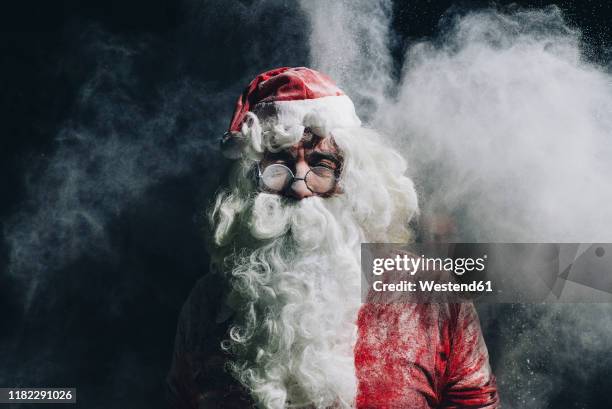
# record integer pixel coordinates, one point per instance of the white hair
(294, 266)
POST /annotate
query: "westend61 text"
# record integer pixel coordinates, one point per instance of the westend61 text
(432, 286)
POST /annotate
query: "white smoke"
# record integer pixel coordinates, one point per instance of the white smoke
(350, 42)
(513, 127)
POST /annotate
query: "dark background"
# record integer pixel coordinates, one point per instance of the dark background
(103, 321)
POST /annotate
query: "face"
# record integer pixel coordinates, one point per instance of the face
(315, 163)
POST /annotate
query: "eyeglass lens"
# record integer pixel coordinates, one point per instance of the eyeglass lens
(318, 179)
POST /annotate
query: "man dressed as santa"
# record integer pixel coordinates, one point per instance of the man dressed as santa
(279, 322)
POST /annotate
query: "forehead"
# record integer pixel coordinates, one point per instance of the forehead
(311, 142)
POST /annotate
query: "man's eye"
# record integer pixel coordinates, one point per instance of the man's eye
(327, 164)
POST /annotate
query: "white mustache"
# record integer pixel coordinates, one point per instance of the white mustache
(273, 216)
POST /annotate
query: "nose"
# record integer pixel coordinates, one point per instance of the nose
(298, 189)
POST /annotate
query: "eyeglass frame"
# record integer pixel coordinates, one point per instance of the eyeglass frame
(294, 178)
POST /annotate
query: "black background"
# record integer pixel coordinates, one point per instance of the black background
(105, 321)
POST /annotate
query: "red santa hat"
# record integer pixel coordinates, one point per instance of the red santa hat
(293, 97)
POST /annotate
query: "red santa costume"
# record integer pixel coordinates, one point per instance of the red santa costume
(278, 322)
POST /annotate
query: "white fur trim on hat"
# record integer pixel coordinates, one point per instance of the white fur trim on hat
(320, 114)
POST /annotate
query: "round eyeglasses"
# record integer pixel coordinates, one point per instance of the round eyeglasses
(277, 178)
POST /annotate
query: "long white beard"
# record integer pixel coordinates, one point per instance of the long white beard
(299, 297)
(294, 268)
